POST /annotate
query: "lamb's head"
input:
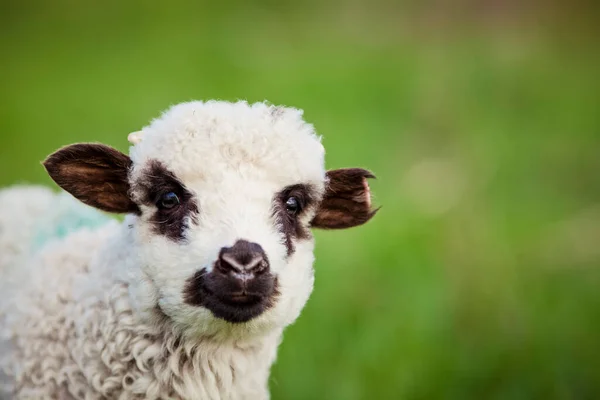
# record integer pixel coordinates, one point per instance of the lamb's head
(221, 198)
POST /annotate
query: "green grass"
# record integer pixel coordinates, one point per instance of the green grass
(479, 278)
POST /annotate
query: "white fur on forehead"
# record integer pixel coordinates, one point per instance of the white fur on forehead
(260, 141)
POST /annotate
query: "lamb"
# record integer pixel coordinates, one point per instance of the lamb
(188, 296)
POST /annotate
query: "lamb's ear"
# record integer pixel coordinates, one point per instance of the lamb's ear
(95, 174)
(347, 200)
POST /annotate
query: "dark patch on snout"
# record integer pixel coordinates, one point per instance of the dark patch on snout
(239, 287)
(290, 224)
(243, 253)
(157, 180)
(218, 294)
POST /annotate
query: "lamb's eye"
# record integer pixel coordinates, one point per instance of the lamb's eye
(168, 200)
(292, 205)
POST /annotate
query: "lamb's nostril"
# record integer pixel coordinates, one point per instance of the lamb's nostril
(243, 258)
(230, 262)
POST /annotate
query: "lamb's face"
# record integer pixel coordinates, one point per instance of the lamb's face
(226, 194)
(222, 197)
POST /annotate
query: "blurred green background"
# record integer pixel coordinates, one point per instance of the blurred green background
(480, 277)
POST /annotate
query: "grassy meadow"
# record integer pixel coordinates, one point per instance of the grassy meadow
(480, 276)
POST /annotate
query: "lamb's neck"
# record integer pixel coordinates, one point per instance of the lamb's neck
(154, 360)
(237, 369)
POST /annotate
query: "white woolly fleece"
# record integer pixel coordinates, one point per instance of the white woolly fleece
(99, 314)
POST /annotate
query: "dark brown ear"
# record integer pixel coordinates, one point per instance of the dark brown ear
(95, 174)
(347, 200)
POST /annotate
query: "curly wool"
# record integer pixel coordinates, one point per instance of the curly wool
(92, 309)
(60, 339)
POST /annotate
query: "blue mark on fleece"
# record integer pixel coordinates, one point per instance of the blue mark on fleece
(68, 216)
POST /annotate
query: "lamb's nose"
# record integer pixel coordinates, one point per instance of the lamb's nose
(244, 259)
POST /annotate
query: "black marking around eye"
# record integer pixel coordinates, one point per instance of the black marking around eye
(290, 225)
(156, 181)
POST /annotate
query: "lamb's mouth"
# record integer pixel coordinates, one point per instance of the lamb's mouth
(242, 299)
(227, 299)
(235, 311)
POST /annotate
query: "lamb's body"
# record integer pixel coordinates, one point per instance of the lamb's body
(189, 295)
(70, 331)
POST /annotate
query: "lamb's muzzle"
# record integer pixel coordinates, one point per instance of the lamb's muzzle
(240, 285)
